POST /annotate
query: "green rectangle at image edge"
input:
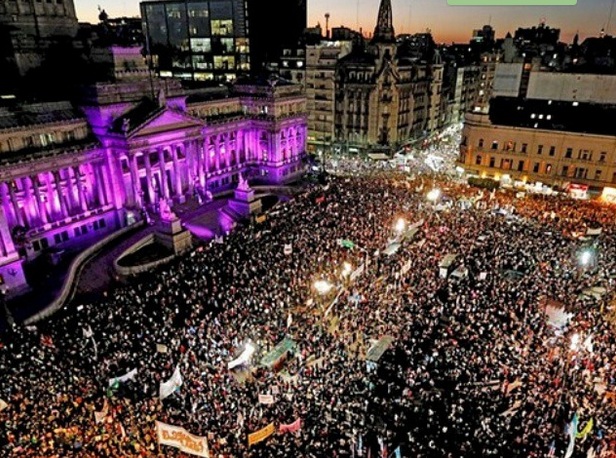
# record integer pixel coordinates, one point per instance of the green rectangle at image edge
(511, 2)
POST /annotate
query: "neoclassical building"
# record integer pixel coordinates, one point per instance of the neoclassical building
(70, 175)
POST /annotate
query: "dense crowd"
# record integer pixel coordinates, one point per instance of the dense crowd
(475, 369)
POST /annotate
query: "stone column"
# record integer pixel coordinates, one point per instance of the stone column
(7, 248)
(134, 177)
(177, 175)
(15, 203)
(148, 175)
(97, 170)
(163, 174)
(200, 162)
(39, 202)
(30, 207)
(5, 201)
(217, 152)
(53, 208)
(80, 194)
(70, 188)
(59, 192)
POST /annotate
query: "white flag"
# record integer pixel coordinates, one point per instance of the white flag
(3, 405)
(168, 387)
(128, 376)
(87, 333)
(289, 320)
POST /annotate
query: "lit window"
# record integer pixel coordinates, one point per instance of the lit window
(548, 117)
(575, 104)
(533, 116)
(540, 116)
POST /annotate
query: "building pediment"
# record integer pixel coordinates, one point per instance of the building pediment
(166, 120)
(148, 118)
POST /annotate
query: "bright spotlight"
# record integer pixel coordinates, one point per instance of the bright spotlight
(586, 257)
(433, 195)
(322, 286)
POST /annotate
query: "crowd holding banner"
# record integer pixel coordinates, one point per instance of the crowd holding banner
(473, 367)
(182, 439)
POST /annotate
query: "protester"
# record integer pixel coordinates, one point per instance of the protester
(475, 368)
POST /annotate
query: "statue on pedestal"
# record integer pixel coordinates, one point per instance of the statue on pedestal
(165, 212)
(243, 184)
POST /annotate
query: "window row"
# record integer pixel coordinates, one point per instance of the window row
(582, 154)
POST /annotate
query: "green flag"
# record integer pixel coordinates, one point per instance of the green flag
(347, 244)
(113, 387)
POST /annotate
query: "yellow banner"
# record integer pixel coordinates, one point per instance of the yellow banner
(175, 436)
(262, 434)
(261, 219)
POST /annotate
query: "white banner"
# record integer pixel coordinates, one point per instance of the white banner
(266, 399)
(168, 387)
(357, 272)
(243, 358)
(288, 249)
(161, 348)
(128, 376)
(177, 437)
(3, 405)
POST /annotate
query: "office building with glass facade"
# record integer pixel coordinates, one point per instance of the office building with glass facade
(199, 40)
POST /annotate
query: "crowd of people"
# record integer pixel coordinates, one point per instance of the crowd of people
(475, 368)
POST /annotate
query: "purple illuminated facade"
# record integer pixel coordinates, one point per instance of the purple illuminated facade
(70, 176)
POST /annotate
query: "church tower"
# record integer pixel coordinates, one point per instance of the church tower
(384, 30)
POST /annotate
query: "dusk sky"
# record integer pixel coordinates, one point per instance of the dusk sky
(448, 23)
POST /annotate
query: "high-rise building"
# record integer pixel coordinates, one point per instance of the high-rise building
(199, 40)
(219, 40)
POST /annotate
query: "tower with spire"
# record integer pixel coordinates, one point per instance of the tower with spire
(384, 30)
(381, 93)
